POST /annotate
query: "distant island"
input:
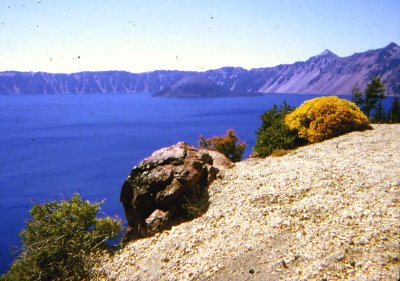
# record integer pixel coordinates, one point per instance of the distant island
(325, 74)
(198, 86)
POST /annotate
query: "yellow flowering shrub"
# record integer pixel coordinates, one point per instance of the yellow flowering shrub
(326, 117)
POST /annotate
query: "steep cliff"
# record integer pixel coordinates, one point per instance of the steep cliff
(325, 73)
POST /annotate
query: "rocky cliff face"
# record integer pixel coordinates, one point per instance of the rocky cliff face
(325, 73)
(13, 82)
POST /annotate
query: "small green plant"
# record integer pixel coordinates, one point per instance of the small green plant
(274, 134)
(228, 145)
(59, 240)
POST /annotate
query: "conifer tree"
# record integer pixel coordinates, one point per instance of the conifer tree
(373, 94)
(394, 112)
(357, 97)
(379, 114)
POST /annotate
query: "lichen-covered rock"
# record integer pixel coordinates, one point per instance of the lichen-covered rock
(168, 187)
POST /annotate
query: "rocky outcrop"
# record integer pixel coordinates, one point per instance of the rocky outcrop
(168, 187)
(327, 211)
(325, 74)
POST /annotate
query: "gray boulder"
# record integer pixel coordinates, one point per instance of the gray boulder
(168, 187)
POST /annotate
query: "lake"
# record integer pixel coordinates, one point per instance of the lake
(54, 145)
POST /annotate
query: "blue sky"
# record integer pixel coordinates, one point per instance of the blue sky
(77, 35)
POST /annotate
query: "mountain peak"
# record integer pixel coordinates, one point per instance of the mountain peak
(326, 52)
(392, 45)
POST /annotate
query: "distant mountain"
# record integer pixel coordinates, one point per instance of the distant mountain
(12, 82)
(325, 73)
(198, 85)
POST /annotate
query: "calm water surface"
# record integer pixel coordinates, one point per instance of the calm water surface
(52, 146)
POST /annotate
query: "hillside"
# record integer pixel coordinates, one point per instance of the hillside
(326, 211)
(325, 73)
(194, 86)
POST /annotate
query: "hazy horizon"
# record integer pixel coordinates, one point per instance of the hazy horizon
(137, 72)
(138, 36)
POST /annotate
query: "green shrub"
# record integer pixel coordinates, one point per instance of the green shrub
(274, 134)
(227, 145)
(59, 240)
(326, 117)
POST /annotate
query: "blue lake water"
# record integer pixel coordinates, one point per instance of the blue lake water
(54, 145)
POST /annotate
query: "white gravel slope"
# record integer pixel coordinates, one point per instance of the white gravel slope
(326, 211)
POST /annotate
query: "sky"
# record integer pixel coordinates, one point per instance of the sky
(137, 36)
